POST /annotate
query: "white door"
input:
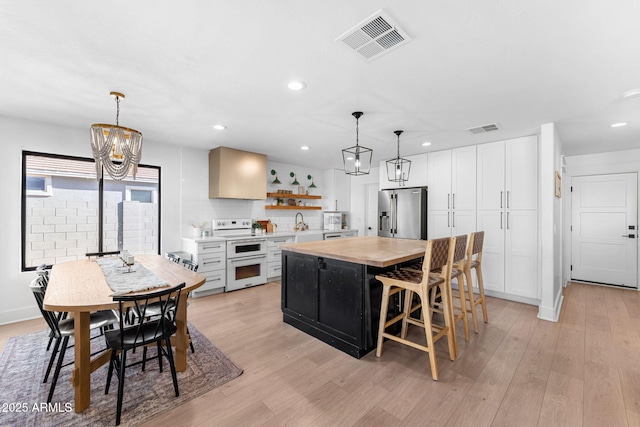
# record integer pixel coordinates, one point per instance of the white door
(604, 219)
(463, 178)
(521, 253)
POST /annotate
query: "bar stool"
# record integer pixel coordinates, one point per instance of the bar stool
(474, 261)
(439, 254)
(459, 311)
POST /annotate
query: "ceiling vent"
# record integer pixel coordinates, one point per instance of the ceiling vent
(375, 36)
(484, 128)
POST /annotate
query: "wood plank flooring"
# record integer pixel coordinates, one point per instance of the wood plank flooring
(518, 371)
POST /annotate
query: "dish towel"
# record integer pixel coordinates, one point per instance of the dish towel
(122, 281)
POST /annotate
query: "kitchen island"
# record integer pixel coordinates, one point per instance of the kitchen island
(329, 288)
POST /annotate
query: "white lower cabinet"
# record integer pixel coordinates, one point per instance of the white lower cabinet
(510, 252)
(211, 257)
(274, 255)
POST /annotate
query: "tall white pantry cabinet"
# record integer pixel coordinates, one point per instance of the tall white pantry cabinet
(452, 192)
(507, 210)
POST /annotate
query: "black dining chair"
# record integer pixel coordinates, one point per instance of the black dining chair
(172, 257)
(62, 329)
(148, 330)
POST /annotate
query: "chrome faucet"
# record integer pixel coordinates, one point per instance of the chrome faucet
(300, 225)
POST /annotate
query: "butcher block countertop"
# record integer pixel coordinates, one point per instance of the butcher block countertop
(368, 250)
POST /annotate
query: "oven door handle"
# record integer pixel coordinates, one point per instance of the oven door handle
(235, 242)
(242, 259)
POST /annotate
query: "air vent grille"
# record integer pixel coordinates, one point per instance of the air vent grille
(375, 36)
(484, 128)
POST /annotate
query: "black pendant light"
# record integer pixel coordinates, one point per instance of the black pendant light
(357, 159)
(398, 169)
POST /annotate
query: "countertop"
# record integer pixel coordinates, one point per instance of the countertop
(367, 250)
(267, 235)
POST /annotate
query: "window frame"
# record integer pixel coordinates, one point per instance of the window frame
(28, 193)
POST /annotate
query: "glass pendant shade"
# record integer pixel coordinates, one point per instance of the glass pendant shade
(398, 169)
(357, 159)
(116, 149)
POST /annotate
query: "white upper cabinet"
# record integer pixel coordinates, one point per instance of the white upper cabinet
(337, 190)
(417, 174)
(522, 173)
(452, 192)
(508, 174)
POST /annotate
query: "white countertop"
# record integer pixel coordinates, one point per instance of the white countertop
(267, 235)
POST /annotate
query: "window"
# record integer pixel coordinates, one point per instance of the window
(38, 185)
(67, 212)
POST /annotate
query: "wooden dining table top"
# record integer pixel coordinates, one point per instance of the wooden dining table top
(81, 286)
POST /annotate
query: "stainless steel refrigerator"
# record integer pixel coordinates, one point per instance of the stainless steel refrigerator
(402, 213)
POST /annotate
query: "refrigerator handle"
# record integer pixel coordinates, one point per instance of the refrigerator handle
(394, 207)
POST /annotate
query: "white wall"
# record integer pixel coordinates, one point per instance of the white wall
(550, 225)
(184, 192)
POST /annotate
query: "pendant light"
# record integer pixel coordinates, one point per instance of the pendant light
(115, 148)
(398, 169)
(357, 159)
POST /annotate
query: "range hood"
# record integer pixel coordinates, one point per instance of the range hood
(237, 174)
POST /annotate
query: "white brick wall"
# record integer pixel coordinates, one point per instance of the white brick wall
(64, 226)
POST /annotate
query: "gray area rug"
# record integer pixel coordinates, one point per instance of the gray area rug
(23, 396)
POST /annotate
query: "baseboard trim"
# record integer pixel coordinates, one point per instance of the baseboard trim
(551, 314)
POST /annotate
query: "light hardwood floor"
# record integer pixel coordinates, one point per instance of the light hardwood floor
(518, 371)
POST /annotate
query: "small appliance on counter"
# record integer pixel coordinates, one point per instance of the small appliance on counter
(334, 220)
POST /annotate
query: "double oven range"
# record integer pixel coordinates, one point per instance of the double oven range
(246, 254)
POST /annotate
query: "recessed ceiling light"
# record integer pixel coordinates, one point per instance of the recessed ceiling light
(219, 127)
(426, 144)
(296, 85)
(304, 147)
(630, 93)
(617, 125)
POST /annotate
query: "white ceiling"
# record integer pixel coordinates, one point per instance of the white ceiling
(187, 65)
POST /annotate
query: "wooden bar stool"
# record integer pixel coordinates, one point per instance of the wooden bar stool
(474, 262)
(439, 254)
(459, 312)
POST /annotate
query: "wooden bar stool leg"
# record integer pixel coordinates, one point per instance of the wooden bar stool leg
(472, 301)
(485, 316)
(449, 323)
(463, 305)
(383, 317)
(428, 330)
(408, 299)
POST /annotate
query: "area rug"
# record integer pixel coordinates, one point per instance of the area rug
(23, 396)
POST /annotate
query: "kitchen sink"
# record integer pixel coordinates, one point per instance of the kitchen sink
(308, 236)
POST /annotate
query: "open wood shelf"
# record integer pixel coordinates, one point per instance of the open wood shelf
(293, 196)
(300, 208)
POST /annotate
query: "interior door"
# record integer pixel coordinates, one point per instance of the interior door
(604, 237)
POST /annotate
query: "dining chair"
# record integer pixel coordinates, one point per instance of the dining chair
(62, 329)
(101, 254)
(154, 310)
(473, 261)
(439, 254)
(146, 332)
(191, 265)
(172, 257)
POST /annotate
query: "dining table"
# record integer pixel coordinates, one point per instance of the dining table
(80, 287)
